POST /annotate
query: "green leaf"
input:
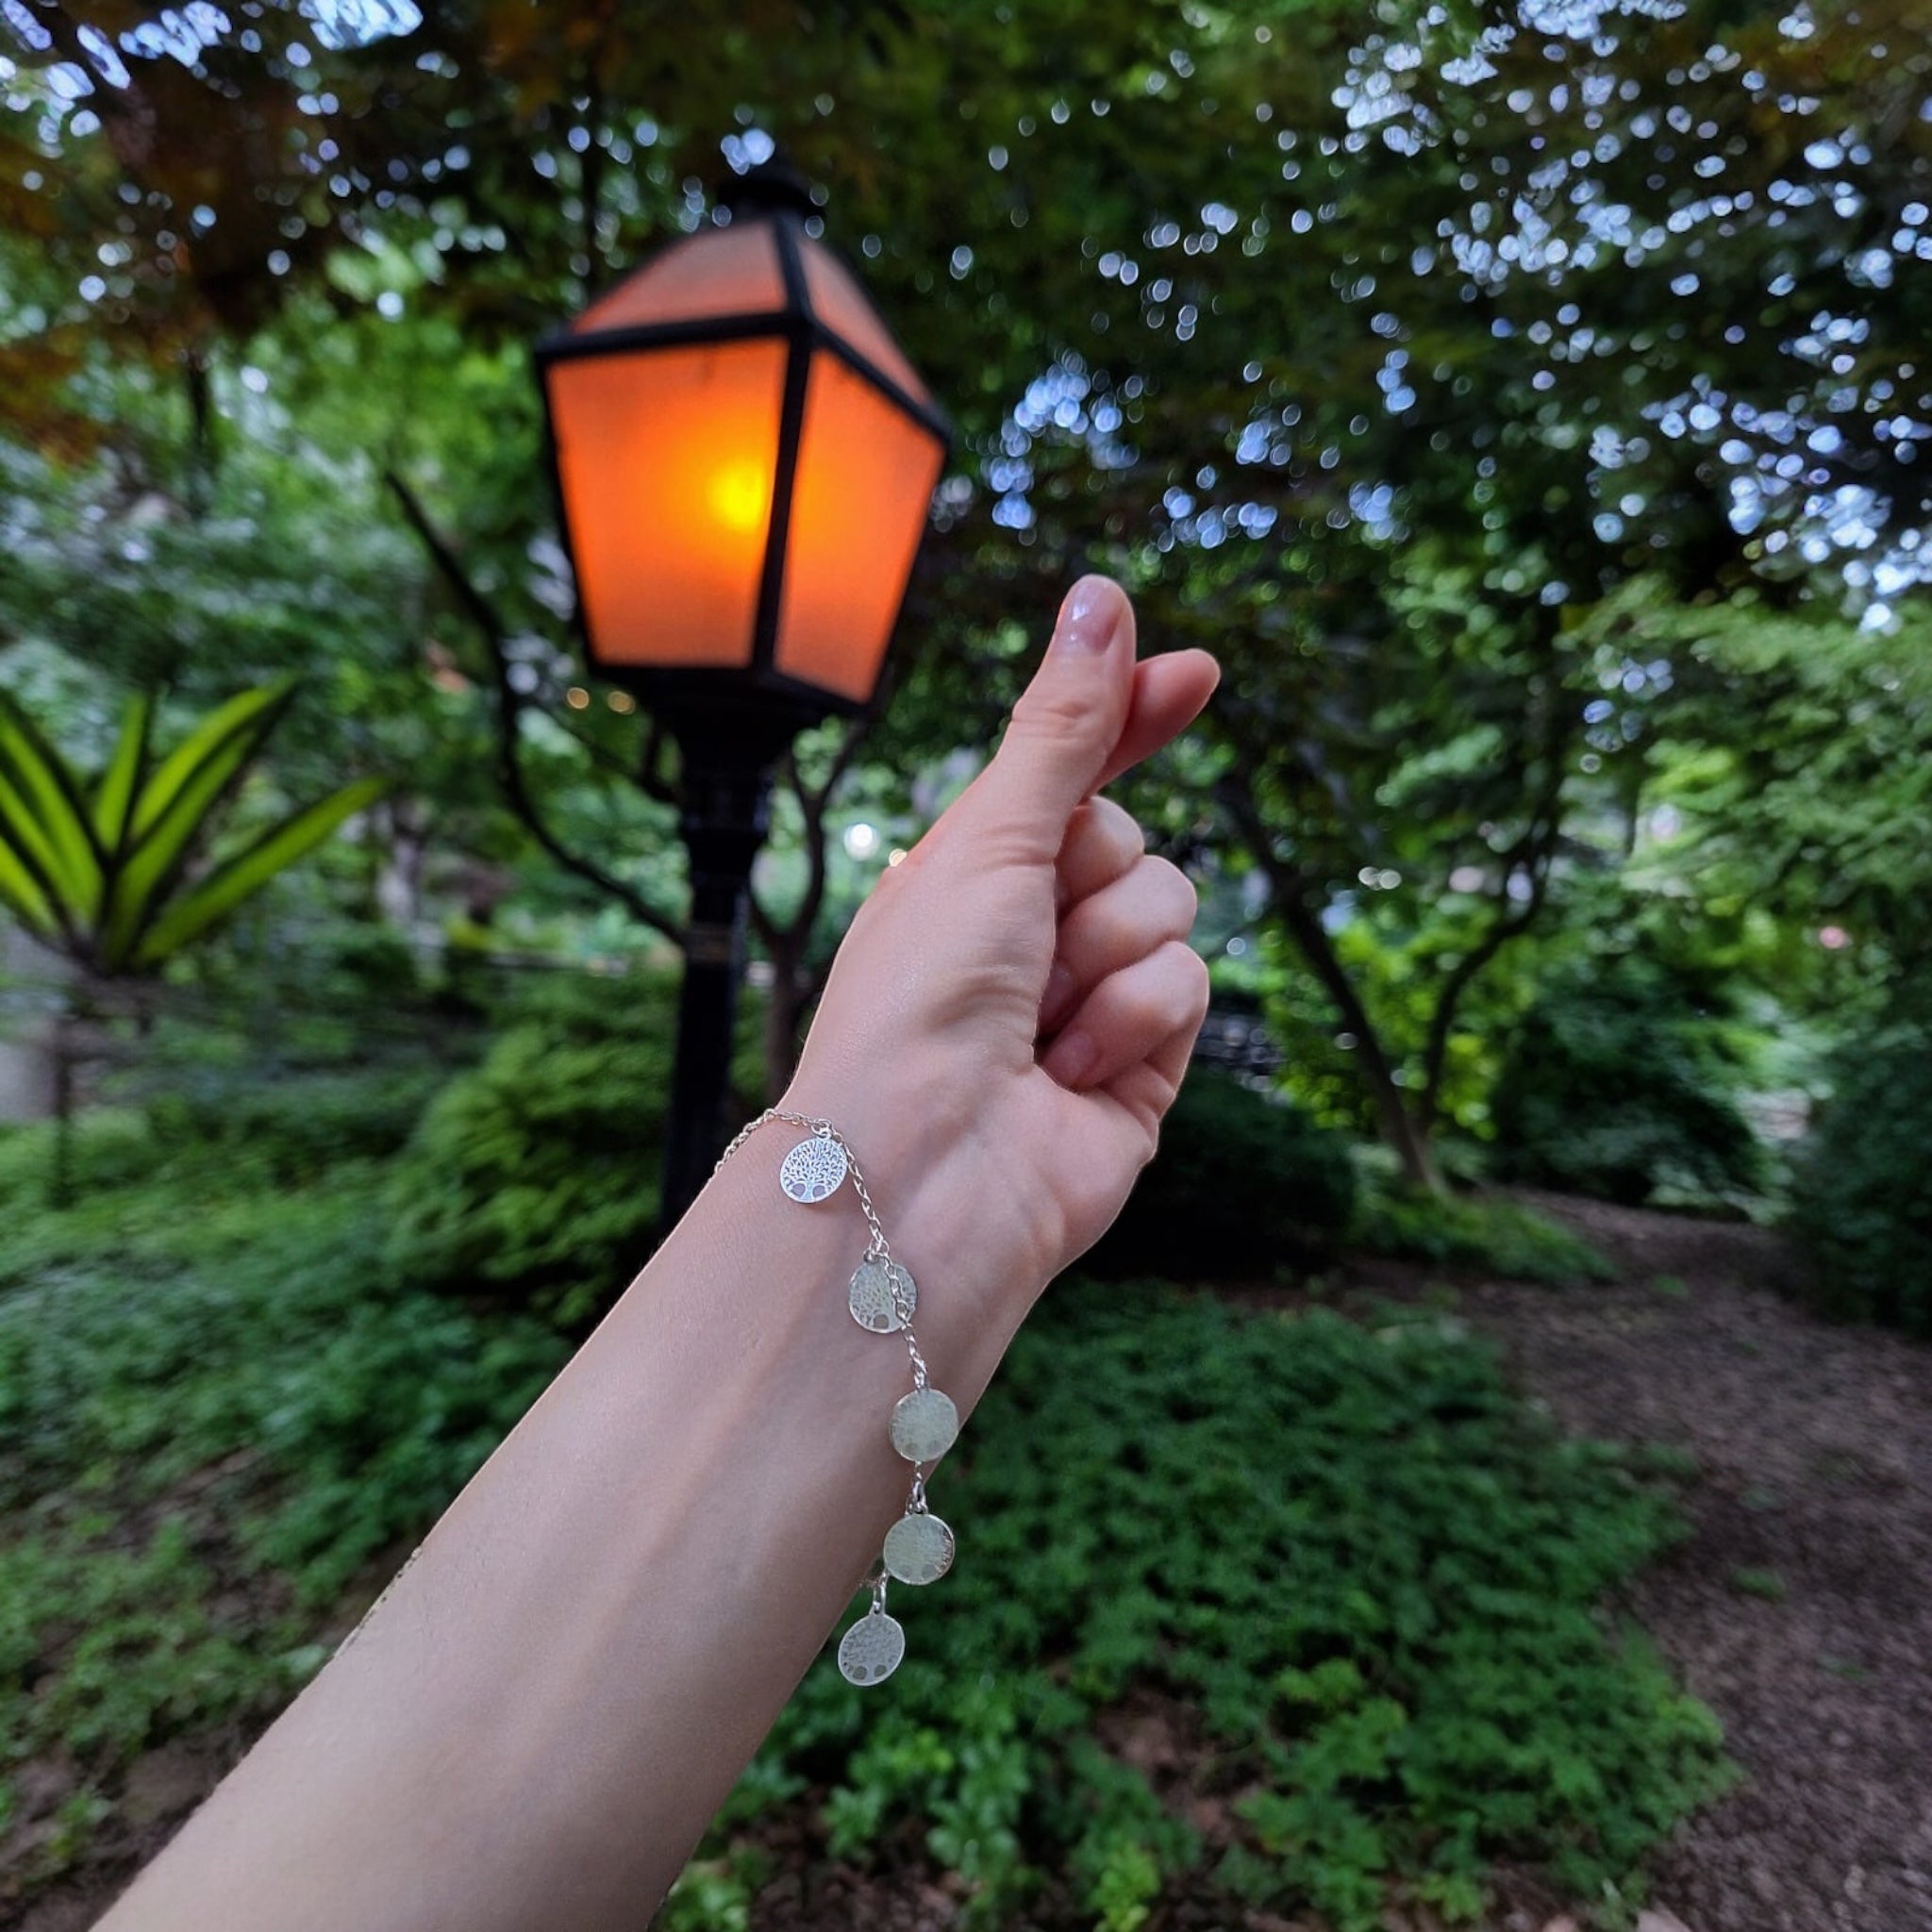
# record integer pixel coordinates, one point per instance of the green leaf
(29, 853)
(21, 892)
(119, 783)
(249, 870)
(164, 838)
(46, 813)
(179, 769)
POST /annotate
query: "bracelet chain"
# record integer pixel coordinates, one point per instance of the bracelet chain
(871, 1648)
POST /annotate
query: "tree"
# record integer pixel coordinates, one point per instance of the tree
(1328, 339)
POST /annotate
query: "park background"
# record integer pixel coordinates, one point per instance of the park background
(1487, 1477)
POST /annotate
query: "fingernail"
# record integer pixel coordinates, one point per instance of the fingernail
(1088, 619)
(1074, 1056)
(1059, 993)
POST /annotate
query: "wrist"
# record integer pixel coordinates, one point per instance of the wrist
(978, 1260)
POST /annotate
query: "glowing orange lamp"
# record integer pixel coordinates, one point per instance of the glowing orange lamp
(745, 460)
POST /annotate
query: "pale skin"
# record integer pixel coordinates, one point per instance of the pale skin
(540, 1718)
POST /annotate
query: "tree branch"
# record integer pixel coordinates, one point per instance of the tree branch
(509, 708)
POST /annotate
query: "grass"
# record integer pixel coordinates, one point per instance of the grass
(1363, 1585)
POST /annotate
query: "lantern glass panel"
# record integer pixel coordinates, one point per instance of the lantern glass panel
(719, 271)
(841, 304)
(864, 483)
(666, 460)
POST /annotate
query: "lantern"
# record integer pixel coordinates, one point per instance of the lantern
(745, 461)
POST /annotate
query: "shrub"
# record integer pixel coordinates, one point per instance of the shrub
(1243, 1182)
(1617, 1085)
(535, 1176)
(1863, 1191)
(1475, 1232)
(298, 1124)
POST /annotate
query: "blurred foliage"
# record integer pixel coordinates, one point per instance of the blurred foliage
(1394, 363)
(1384, 1633)
(1242, 1184)
(1797, 766)
(533, 1179)
(295, 1128)
(1481, 1233)
(1618, 1084)
(1862, 1202)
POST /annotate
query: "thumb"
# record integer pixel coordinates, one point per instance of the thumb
(1067, 723)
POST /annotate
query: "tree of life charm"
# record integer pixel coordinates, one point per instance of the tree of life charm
(872, 1298)
(870, 1651)
(919, 1548)
(925, 1425)
(813, 1169)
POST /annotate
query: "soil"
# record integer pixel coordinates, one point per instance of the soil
(1799, 1607)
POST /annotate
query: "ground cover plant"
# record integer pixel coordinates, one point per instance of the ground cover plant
(216, 1408)
(1361, 1582)
(1347, 1561)
(1476, 1232)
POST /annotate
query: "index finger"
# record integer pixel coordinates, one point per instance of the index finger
(1169, 693)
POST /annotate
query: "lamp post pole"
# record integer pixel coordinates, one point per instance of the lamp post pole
(728, 750)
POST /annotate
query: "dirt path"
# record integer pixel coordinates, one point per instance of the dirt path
(1800, 1607)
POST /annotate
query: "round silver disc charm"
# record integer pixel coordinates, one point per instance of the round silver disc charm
(925, 1425)
(919, 1548)
(869, 1653)
(813, 1169)
(871, 1295)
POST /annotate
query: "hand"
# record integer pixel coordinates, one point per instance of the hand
(1013, 1010)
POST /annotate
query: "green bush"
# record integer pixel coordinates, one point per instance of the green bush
(298, 1124)
(1477, 1232)
(1353, 1561)
(1243, 1183)
(1617, 1085)
(535, 1176)
(1863, 1191)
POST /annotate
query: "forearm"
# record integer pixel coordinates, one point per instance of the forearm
(549, 1706)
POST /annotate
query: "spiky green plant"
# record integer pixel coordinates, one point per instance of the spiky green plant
(103, 871)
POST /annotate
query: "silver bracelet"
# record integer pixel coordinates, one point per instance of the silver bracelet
(882, 1298)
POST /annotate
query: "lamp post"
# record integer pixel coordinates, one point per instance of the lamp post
(745, 459)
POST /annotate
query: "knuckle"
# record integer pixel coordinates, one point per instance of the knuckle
(1055, 715)
(1120, 829)
(1177, 895)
